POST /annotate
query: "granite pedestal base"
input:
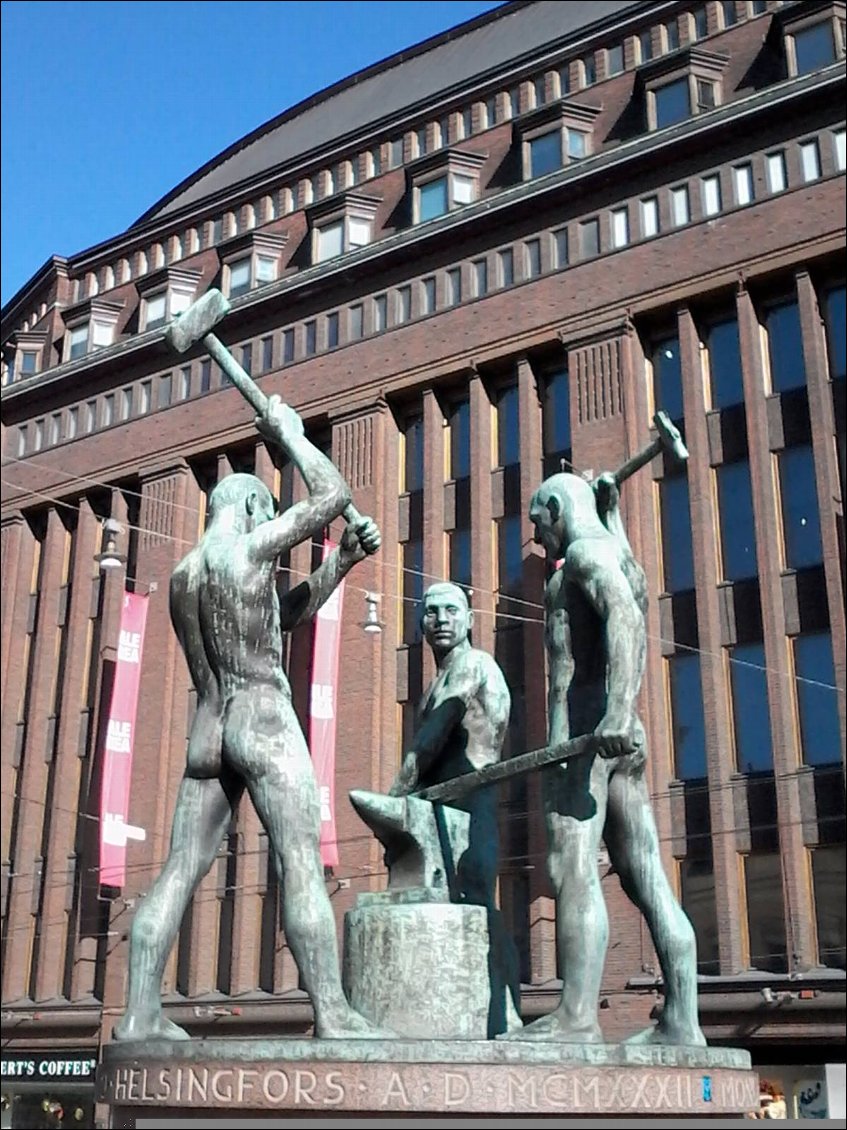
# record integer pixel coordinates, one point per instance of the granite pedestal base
(456, 1077)
(428, 968)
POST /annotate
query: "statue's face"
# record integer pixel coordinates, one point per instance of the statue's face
(446, 619)
(548, 531)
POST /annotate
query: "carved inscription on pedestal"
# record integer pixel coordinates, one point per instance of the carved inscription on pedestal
(430, 1087)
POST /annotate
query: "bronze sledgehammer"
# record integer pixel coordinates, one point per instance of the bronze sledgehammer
(196, 324)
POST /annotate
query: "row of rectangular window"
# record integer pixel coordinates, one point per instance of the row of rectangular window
(455, 126)
(502, 269)
(717, 191)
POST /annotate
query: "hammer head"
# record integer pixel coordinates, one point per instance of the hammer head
(669, 436)
(199, 319)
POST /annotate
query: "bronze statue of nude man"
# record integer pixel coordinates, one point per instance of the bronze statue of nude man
(462, 721)
(229, 621)
(595, 606)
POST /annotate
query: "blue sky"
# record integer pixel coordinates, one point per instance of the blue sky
(108, 105)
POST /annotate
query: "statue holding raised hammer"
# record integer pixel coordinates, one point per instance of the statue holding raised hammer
(596, 640)
(245, 733)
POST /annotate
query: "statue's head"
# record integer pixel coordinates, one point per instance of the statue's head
(446, 617)
(563, 509)
(245, 498)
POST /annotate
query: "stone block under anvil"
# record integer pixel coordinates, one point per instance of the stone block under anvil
(416, 960)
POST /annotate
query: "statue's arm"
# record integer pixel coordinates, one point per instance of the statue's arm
(435, 730)
(595, 566)
(329, 494)
(359, 540)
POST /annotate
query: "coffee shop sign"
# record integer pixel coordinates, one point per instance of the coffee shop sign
(33, 1069)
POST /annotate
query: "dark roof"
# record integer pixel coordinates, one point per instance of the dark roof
(412, 77)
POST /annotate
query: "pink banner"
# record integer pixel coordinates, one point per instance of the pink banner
(120, 738)
(322, 712)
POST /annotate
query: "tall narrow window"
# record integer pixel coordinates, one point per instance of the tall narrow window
(785, 347)
(645, 46)
(357, 318)
(556, 421)
(839, 142)
(428, 296)
(165, 383)
(711, 195)
(205, 375)
(480, 276)
(765, 911)
(460, 440)
(533, 258)
(332, 330)
(775, 163)
(404, 304)
(184, 384)
(737, 527)
(810, 160)
(649, 217)
(413, 462)
(380, 313)
(614, 59)
(671, 35)
(728, 13)
(560, 247)
(453, 286)
(751, 722)
(817, 698)
(310, 331)
(700, 21)
(680, 210)
(589, 238)
(620, 227)
(506, 264)
(742, 178)
(667, 377)
(688, 725)
(677, 551)
(723, 347)
(287, 346)
(828, 877)
(800, 513)
(267, 353)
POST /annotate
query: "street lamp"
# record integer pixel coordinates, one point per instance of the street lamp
(109, 558)
(372, 624)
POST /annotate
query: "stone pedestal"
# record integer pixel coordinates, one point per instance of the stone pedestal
(262, 1078)
(433, 970)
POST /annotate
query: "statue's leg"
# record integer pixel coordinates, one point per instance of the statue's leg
(575, 801)
(281, 781)
(204, 809)
(633, 845)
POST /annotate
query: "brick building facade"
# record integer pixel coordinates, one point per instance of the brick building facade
(501, 251)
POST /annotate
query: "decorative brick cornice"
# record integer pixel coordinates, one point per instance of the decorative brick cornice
(348, 203)
(172, 276)
(92, 308)
(707, 64)
(264, 243)
(449, 159)
(564, 112)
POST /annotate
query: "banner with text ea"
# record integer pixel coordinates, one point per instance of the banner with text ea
(120, 738)
(323, 713)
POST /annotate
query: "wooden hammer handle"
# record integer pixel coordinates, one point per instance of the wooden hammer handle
(252, 393)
